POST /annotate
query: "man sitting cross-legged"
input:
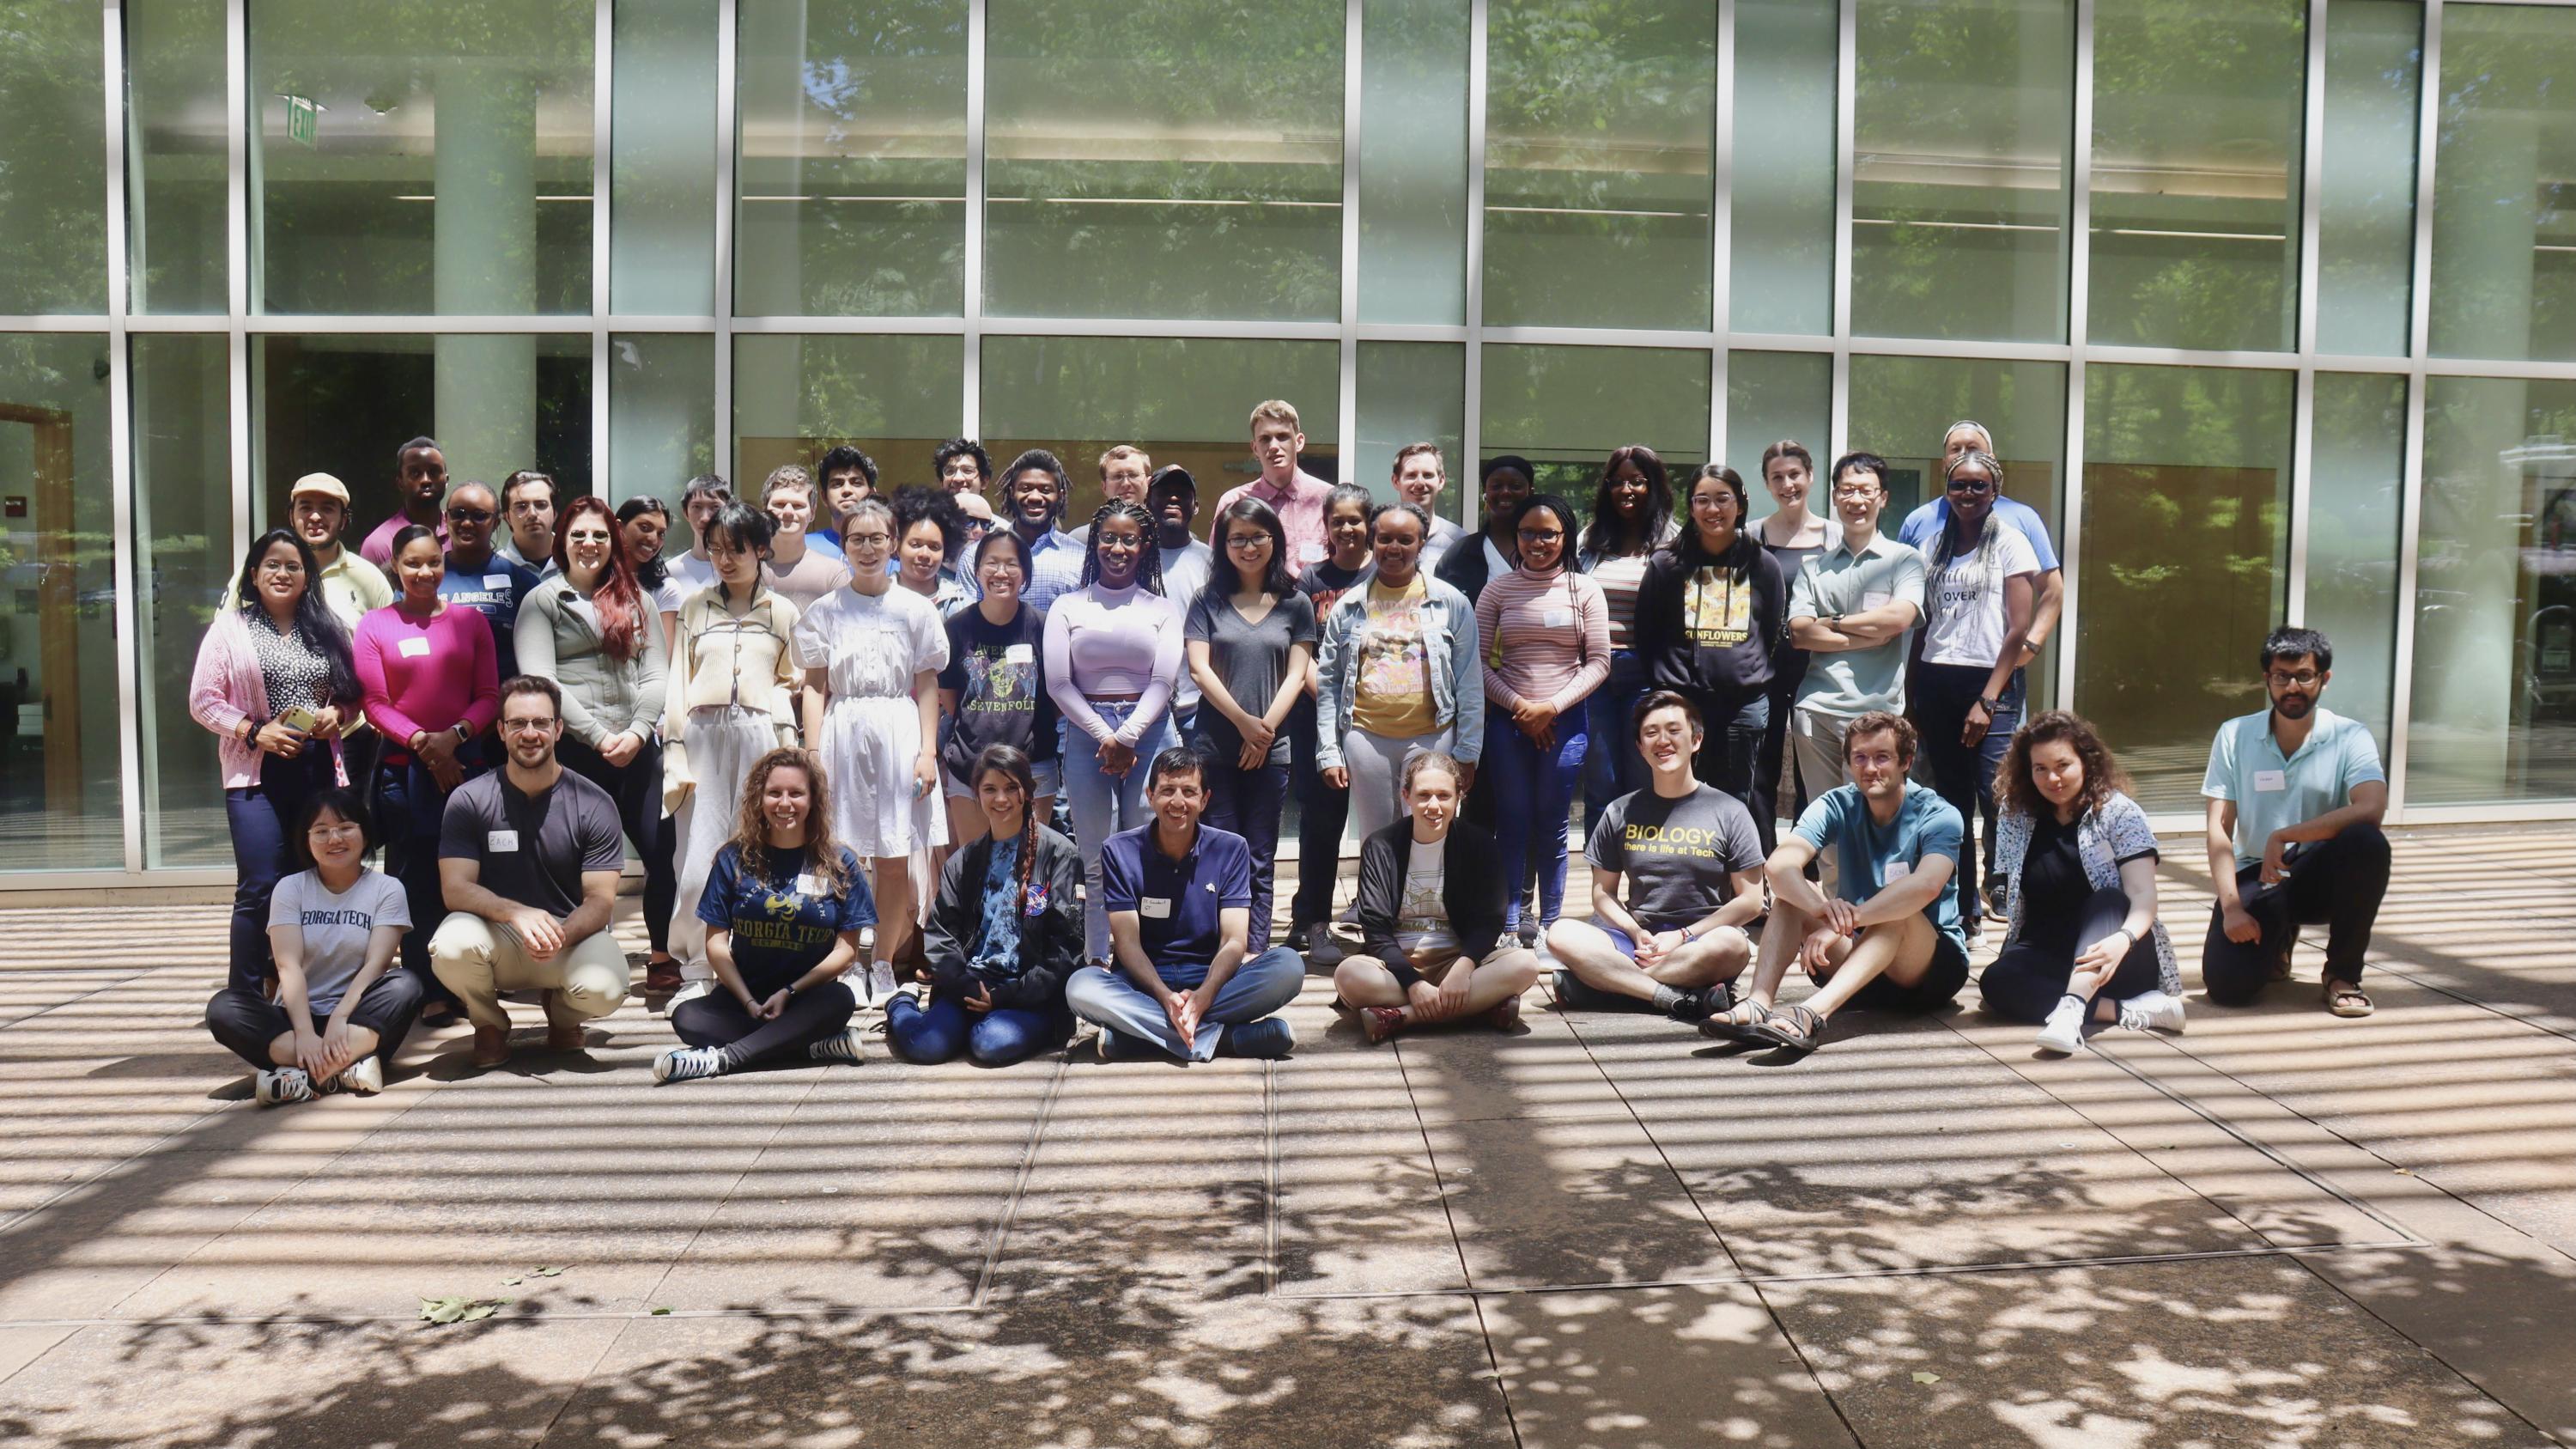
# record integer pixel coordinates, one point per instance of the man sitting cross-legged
(1693, 867)
(1179, 897)
(1431, 918)
(1890, 940)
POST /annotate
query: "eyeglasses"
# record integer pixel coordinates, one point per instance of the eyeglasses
(526, 726)
(1247, 540)
(1542, 535)
(470, 515)
(2301, 680)
(1972, 485)
(1854, 490)
(281, 566)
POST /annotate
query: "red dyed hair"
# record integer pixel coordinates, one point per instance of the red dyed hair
(619, 599)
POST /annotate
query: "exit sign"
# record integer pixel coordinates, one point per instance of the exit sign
(303, 119)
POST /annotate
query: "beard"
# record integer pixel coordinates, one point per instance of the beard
(2293, 706)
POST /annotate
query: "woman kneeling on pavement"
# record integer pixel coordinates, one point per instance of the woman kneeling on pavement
(783, 906)
(1431, 913)
(2079, 869)
(1006, 930)
(333, 928)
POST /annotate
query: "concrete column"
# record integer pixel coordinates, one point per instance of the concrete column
(486, 256)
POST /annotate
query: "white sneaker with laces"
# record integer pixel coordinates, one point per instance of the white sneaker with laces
(282, 1084)
(880, 982)
(365, 1076)
(2152, 1011)
(690, 990)
(681, 1064)
(2065, 1029)
(840, 1046)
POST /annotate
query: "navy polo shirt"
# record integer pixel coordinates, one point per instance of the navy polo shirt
(1176, 901)
(493, 589)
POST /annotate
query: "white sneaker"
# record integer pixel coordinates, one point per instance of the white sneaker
(2065, 1029)
(681, 1064)
(282, 1084)
(880, 982)
(365, 1076)
(690, 990)
(2152, 1011)
(840, 1046)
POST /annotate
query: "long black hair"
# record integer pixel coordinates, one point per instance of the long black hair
(652, 573)
(1276, 581)
(1687, 545)
(1607, 529)
(1149, 559)
(313, 617)
(747, 530)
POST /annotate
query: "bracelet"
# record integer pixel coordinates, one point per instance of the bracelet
(1690, 933)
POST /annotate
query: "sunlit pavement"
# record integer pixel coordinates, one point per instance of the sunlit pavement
(2277, 1229)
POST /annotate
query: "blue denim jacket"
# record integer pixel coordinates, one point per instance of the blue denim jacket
(1457, 670)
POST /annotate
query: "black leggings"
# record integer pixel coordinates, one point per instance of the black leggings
(637, 788)
(717, 1020)
(246, 1022)
(2028, 980)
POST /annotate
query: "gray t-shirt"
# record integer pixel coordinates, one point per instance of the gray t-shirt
(1251, 658)
(335, 928)
(533, 848)
(1676, 854)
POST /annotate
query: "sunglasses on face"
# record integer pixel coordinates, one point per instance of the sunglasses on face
(1972, 485)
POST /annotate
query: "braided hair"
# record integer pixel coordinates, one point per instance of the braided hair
(1948, 547)
(1149, 561)
(1012, 761)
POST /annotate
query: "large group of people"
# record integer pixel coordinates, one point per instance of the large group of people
(834, 726)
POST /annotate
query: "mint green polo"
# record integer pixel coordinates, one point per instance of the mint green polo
(1849, 683)
(2246, 766)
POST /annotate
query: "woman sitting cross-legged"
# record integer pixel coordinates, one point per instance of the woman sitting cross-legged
(783, 906)
(1005, 932)
(1431, 912)
(333, 928)
(2079, 870)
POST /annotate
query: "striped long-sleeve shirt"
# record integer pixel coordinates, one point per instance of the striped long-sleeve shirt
(1546, 637)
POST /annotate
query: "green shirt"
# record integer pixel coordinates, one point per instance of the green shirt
(1851, 682)
(2271, 793)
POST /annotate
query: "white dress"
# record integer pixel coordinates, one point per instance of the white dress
(871, 645)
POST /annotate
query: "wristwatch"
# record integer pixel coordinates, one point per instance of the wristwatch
(1989, 705)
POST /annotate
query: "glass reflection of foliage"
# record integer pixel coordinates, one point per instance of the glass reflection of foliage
(2196, 121)
(1960, 170)
(1413, 162)
(2504, 232)
(1599, 117)
(2354, 506)
(853, 159)
(53, 158)
(1164, 158)
(1565, 408)
(2366, 194)
(1902, 407)
(177, 160)
(2186, 509)
(489, 100)
(893, 396)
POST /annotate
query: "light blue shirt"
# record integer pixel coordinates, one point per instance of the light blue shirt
(1874, 856)
(1849, 683)
(1055, 567)
(2271, 793)
(1923, 528)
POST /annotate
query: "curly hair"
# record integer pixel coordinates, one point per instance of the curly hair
(2018, 792)
(751, 828)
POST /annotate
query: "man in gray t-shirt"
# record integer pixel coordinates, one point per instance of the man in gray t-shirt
(529, 858)
(1692, 864)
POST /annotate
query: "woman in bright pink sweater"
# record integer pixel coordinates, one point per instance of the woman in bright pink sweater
(1546, 632)
(433, 691)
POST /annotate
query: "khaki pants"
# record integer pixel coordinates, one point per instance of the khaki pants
(478, 960)
(1816, 753)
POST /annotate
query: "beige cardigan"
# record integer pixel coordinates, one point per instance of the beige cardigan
(718, 659)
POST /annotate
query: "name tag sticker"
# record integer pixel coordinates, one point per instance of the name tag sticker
(2271, 781)
(1874, 599)
(1019, 654)
(496, 581)
(1157, 907)
(1557, 618)
(1310, 553)
(501, 840)
(809, 884)
(414, 647)
(1898, 869)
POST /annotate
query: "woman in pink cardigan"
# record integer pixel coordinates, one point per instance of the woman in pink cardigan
(276, 683)
(433, 691)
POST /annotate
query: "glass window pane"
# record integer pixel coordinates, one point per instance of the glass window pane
(61, 785)
(1174, 160)
(343, 405)
(2185, 558)
(183, 526)
(1413, 161)
(1960, 168)
(1412, 392)
(2494, 695)
(2504, 242)
(2355, 508)
(423, 158)
(1186, 401)
(1565, 408)
(1781, 262)
(2366, 199)
(1773, 397)
(53, 158)
(661, 416)
(1598, 124)
(794, 398)
(178, 140)
(662, 159)
(2195, 172)
(852, 166)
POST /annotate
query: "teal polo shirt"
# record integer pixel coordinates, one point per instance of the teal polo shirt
(1850, 683)
(1873, 856)
(2246, 766)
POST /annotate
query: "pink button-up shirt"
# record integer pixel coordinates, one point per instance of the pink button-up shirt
(1300, 507)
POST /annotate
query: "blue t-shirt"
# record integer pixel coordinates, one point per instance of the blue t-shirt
(1923, 528)
(997, 949)
(493, 591)
(1872, 856)
(1176, 901)
(2272, 793)
(781, 930)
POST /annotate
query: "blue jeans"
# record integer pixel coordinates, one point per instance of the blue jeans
(1258, 987)
(262, 817)
(942, 1030)
(1614, 768)
(1964, 774)
(1249, 803)
(409, 805)
(1537, 787)
(1104, 804)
